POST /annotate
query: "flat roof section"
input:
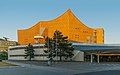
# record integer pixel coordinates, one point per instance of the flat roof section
(98, 48)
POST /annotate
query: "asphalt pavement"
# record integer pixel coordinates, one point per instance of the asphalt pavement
(60, 68)
(109, 72)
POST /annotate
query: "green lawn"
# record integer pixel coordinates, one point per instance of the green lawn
(6, 64)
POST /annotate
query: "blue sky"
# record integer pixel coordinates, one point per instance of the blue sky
(21, 14)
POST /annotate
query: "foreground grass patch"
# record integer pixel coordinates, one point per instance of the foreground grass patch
(6, 64)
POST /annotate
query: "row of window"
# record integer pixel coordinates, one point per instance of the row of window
(7, 43)
(25, 55)
(84, 31)
(18, 48)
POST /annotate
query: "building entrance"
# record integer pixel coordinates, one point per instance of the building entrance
(109, 57)
(87, 58)
(102, 58)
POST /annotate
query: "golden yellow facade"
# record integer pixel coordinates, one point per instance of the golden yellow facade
(68, 24)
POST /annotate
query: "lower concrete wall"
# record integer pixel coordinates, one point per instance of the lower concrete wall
(78, 55)
(18, 53)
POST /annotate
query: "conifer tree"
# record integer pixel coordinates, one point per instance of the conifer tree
(64, 47)
(50, 48)
(58, 46)
(29, 51)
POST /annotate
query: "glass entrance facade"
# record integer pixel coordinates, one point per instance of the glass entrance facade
(103, 57)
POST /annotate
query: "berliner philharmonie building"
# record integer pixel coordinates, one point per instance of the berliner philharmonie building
(68, 24)
(88, 42)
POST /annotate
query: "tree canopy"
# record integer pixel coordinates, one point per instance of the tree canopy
(29, 51)
(59, 46)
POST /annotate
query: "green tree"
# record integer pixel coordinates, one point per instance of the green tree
(59, 46)
(50, 48)
(29, 51)
(63, 46)
(4, 55)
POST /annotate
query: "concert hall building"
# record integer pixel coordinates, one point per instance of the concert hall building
(68, 24)
(87, 42)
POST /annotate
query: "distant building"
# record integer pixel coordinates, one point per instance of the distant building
(4, 44)
(68, 24)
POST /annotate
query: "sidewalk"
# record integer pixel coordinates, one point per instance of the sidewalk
(21, 64)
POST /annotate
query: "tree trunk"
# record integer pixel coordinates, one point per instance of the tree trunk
(30, 58)
(60, 55)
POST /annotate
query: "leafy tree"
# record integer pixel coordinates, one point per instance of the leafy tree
(3, 55)
(29, 51)
(59, 46)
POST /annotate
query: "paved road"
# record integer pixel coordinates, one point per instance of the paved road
(33, 71)
(30, 69)
(64, 68)
(109, 72)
